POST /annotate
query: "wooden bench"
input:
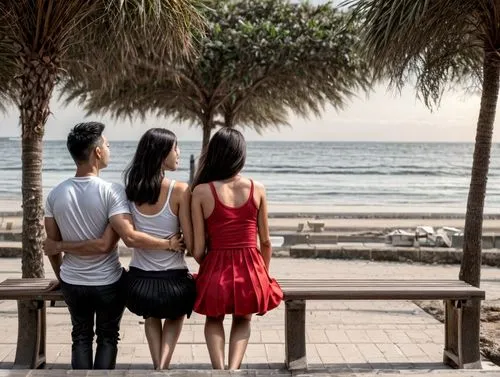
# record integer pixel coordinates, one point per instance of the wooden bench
(31, 336)
(461, 348)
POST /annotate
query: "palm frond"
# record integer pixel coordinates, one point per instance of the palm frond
(258, 55)
(435, 44)
(8, 65)
(260, 115)
(99, 38)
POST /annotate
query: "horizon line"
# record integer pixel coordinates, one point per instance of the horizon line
(301, 141)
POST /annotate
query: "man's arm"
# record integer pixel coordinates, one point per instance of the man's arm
(53, 233)
(102, 245)
(124, 226)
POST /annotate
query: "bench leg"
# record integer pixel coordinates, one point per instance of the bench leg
(295, 334)
(30, 352)
(462, 325)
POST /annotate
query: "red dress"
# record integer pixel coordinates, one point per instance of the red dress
(233, 278)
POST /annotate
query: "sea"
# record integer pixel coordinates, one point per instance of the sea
(323, 174)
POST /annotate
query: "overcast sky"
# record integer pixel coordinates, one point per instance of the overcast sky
(383, 116)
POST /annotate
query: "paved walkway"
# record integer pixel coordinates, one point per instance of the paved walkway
(244, 373)
(343, 336)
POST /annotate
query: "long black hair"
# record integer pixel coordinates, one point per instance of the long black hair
(144, 175)
(223, 158)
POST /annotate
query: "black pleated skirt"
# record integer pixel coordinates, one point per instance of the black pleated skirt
(160, 294)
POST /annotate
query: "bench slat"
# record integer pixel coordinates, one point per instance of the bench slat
(366, 284)
(376, 295)
(372, 286)
(374, 281)
(38, 289)
(299, 289)
(376, 289)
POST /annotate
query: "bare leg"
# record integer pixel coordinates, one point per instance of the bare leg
(171, 332)
(238, 340)
(215, 338)
(152, 327)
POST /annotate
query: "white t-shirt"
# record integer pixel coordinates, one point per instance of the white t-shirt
(81, 207)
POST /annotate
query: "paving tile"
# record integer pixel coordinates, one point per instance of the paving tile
(351, 353)
(337, 336)
(358, 336)
(316, 336)
(329, 353)
(412, 351)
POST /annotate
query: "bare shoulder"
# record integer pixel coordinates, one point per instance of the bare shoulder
(201, 191)
(258, 186)
(181, 187)
(181, 191)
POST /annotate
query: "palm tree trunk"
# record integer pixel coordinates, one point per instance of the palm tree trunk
(37, 83)
(207, 131)
(470, 269)
(229, 119)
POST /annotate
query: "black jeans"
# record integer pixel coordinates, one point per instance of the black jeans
(106, 303)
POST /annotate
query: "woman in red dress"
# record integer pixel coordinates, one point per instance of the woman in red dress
(229, 211)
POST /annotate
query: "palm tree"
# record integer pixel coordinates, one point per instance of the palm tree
(260, 60)
(440, 43)
(43, 40)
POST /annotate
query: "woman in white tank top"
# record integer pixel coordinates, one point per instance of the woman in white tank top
(160, 286)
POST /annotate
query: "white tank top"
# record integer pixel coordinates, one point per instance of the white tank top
(163, 225)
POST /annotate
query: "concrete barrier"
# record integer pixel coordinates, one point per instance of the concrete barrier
(362, 251)
(11, 236)
(429, 255)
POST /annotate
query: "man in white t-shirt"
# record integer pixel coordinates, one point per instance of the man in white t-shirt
(84, 216)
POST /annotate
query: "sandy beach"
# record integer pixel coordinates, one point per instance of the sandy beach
(277, 208)
(290, 209)
(336, 219)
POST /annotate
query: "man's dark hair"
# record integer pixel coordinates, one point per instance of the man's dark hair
(82, 140)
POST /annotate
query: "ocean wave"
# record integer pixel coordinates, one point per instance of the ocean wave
(304, 170)
(307, 172)
(72, 169)
(353, 172)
